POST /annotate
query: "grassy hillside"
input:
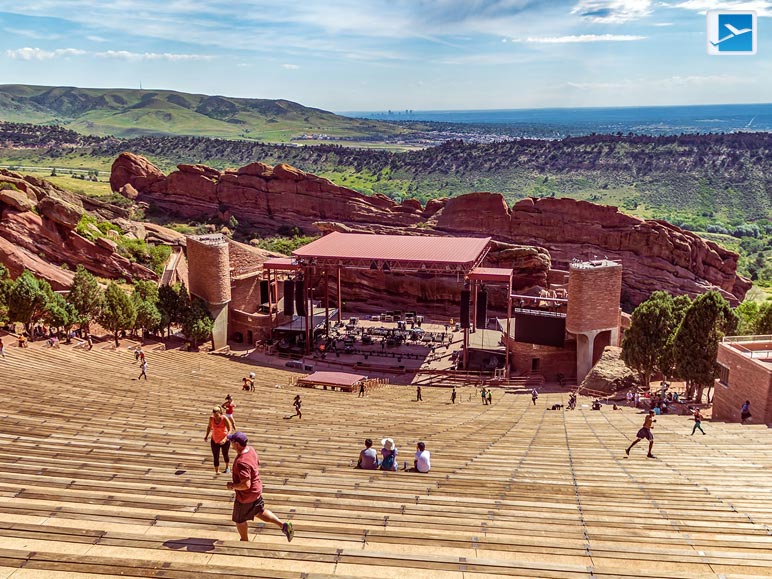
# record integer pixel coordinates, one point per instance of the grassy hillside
(718, 185)
(131, 113)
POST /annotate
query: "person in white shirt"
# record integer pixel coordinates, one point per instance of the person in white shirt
(422, 461)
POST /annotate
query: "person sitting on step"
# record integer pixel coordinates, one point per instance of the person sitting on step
(389, 454)
(368, 458)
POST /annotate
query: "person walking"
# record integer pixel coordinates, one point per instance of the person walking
(143, 369)
(361, 390)
(453, 396)
(219, 427)
(745, 411)
(228, 407)
(248, 502)
(697, 421)
(534, 396)
(629, 397)
(2, 348)
(489, 396)
(418, 397)
(644, 432)
(483, 395)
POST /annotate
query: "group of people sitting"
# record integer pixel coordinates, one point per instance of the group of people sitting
(368, 457)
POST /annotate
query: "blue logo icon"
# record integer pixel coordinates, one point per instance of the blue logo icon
(731, 32)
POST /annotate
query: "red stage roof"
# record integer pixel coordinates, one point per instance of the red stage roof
(491, 274)
(280, 263)
(361, 249)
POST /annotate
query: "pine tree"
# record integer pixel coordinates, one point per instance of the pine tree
(707, 320)
(85, 296)
(646, 339)
(118, 312)
(198, 323)
(27, 300)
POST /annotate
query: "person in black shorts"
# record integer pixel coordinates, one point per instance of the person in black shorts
(246, 482)
(644, 432)
(297, 403)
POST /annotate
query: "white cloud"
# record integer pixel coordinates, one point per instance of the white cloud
(671, 82)
(663, 24)
(28, 53)
(578, 38)
(612, 11)
(34, 34)
(94, 38)
(762, 7)
(40, 54)
(290, 66)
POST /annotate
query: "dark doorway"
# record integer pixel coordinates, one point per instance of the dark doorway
(250, 337)
(535, 363)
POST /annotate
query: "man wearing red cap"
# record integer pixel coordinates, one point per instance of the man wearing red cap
(246, 482)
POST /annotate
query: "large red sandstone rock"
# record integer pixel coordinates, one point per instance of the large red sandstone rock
(655, 255)
(47, 244)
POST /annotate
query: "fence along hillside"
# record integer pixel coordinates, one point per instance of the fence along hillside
(101, 474)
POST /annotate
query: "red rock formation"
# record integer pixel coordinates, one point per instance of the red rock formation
(46, 242)
(655, 255)
(262, 196)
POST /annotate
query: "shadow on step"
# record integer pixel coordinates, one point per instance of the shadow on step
(194, 545)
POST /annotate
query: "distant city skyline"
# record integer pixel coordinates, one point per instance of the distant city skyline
(350, 55)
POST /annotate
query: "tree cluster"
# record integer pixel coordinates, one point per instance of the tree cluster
(679, 338)
(148, 309)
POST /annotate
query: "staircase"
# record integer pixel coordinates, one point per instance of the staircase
(102, 475)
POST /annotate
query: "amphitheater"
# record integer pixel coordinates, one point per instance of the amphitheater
(101, 475)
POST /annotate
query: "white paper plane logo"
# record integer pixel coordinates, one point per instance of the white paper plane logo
(731, 32)
(734, 32)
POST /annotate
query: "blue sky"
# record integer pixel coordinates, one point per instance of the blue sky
(348, 55)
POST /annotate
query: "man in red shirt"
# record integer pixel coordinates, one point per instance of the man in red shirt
(246, 482)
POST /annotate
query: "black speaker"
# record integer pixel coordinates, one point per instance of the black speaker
(465, 309)
(300, 298)
(482, 309)
(264, 291)
(289, 297)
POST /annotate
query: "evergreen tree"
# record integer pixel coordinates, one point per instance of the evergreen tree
(145, 298)
(645, 340)
(707, 320)
(764, 321)
(6, 283)
(118, 312)
(85, 297)
(172, 303)
(667, 360)
(27, 300)
(198, 323)
(748, 315)
(59, 314)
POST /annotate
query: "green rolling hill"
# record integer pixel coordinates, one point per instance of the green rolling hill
(133, 113)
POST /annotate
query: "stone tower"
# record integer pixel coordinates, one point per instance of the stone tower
(594, 291)
(210, 279)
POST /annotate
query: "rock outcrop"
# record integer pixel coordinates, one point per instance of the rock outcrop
(45, 241)
(609, 374)
(655, 255)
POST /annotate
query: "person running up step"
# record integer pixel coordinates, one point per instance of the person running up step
(645, 432)
(246, 482)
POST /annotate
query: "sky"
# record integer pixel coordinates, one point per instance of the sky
(368, 55)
